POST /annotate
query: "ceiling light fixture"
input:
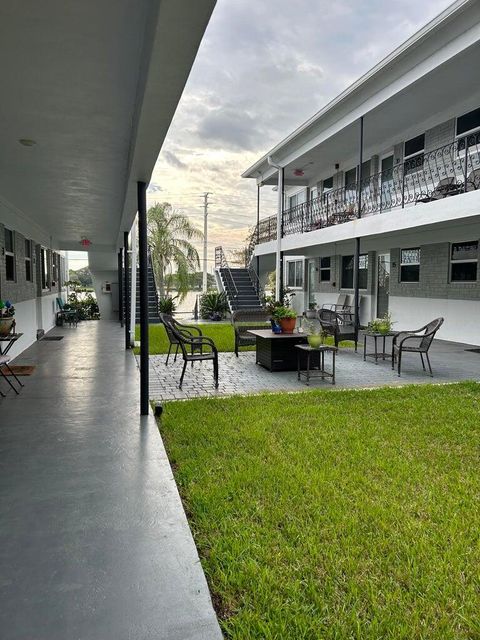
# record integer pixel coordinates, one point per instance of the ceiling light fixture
(27, 142)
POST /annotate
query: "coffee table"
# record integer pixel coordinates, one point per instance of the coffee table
(275, 351)
(376, 353)
(316, 371)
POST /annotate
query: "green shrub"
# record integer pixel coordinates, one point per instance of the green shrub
(213, 305)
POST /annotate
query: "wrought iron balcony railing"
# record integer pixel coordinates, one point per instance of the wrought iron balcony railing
(444, 172)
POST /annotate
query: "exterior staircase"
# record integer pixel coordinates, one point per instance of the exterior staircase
(238, 284)
(153, 317)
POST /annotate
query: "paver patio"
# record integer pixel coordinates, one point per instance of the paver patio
(450, 362)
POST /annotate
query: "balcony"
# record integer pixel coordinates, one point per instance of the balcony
(444, 172)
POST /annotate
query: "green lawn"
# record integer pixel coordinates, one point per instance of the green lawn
(344, 515)
(221, 333)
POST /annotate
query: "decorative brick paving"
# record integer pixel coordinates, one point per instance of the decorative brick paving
(450, 362)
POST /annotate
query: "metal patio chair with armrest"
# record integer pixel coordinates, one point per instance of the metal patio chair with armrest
(193, 350)
(446, 186)
(168, 322)
(66, 313)
(417, 341)
(338, 325)
(243, 321)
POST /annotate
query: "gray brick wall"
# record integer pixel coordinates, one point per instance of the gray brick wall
(440, 135)
(334, 284)
(20, 289)
(434, 276)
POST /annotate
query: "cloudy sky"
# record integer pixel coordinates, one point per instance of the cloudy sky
(263, 68)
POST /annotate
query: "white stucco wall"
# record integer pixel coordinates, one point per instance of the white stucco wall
(461, 317)
(30, 315)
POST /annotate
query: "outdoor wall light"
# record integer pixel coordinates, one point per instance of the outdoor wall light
(337, 166)
(27, 142)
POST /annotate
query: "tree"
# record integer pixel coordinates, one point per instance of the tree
(83, 276)
(174, 258)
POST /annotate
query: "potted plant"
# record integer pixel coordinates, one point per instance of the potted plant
(286, 318)
(7, 317)
(381, 325)
(316, 335)
(167, 305)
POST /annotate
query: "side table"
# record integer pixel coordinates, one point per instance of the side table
(383, 354)
(316, 371)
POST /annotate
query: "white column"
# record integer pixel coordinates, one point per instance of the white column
(278, 262)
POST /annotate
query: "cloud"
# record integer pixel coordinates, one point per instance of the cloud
(263, 68)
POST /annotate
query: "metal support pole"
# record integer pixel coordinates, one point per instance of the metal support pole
(143, 268)
(258, 226)
(205, 242)
(126, 295)
(120, 287)
(356, 260)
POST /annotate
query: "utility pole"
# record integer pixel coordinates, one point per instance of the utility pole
(205, 243)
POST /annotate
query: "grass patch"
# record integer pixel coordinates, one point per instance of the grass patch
(222, 334)
(345, 515)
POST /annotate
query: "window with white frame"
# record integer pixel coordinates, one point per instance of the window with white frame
(313, 193)
(28, 261)
(410, 265)
(468, 129)
(295, 274)
(325, 269)
(297, 198)
(44, 268)
(9, 255)
(464, 261)
(54, 268)
(413, 153)
(327, 184)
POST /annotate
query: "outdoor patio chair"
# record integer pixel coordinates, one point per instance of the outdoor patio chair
(338, 325)
(66, 314)
(188, 330)
(4, 360)
(341, 306)
(192, 347)
(245, 320)
(473, 180)
(446, 186)
(417, 341)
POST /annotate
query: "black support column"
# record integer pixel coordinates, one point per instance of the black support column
(143, 268)
(120, 287)
(126, 294)
(356, 261)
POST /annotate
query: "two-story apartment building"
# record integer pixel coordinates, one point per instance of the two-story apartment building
(390, 169)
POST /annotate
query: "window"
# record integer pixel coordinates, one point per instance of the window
(298, 198)
(410, 265)
(328, 184)
(464, 261)
(28, 261)
(351, 178)
(313, 193)
(295, 274)
(54, 268)
(44, 268)
(325, 269)
(347, 271)
(9, 255)
(413, 153)
(467, 126)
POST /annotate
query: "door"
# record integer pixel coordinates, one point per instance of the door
(383, 284)
(386, 183)
(311, 282)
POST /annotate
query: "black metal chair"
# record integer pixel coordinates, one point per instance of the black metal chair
(4, 362)
(339, 325)
(243, 321)
(192, 347)
(187, 329)
(419, 341)
(446, 186)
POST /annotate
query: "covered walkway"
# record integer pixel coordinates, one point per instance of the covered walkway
(94, 543)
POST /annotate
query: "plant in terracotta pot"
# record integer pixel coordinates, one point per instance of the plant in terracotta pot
(286, 318)
(7, 317)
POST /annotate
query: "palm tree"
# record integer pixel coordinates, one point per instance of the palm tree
(174, 257)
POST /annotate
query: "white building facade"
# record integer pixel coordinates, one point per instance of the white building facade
(394, 164)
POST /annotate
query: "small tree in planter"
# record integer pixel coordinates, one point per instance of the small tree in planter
(7, 317)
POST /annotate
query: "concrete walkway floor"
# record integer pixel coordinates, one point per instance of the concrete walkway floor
(451, 362)
(94, 542)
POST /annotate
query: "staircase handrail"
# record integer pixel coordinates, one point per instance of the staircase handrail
(252, 272)
(150, 263)
(221, 262)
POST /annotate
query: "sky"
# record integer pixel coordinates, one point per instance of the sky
(263, 68)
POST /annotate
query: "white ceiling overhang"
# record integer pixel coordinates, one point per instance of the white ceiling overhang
(95, 85)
